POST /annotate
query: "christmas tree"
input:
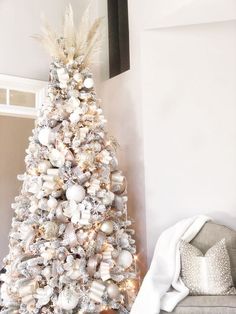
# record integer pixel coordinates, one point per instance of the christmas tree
(70, 246)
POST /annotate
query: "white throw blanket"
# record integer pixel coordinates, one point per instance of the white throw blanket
(162, 287)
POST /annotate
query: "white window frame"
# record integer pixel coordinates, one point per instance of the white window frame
(37, 87)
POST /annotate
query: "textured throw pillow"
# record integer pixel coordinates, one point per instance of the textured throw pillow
(209, 274)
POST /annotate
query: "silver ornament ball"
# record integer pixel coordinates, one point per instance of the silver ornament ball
(125, 259)
(113, 291)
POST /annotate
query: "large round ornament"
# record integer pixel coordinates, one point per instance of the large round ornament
(125, 259)
(75, 193)
(113, 291)
(43, 166)
(68, 299)
(88, 83)
(56, 158)
(107, 227)
(46, 136)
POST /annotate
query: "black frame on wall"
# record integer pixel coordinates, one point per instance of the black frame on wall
(118, 33)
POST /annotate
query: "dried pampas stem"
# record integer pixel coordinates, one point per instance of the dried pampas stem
(84, 42)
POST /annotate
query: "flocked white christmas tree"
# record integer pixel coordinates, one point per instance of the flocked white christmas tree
(70, 246)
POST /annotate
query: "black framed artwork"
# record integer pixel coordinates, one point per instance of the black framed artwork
(118, 33)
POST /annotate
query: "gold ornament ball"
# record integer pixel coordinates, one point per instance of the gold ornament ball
(113, 291)
(49, 230)
(107, 227)
(108, 312)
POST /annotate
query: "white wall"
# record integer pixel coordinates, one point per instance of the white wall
(180, 92)
(189, 118)
(20, 54)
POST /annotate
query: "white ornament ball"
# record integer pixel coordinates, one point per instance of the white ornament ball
(107, 227)
(68, 299)
(52, 203)
(75, 193)
(43, 166)
(56, 158)
(113, 291)
(125, 259)
(46, 136)
(124, 241)
(88, 83)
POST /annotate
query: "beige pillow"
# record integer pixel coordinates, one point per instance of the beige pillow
(209, 274)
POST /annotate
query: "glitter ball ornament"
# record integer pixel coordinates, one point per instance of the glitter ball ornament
(107, 227)
(46, 136)
(56, 158)
(68, 299)
(125, 259)
(113, 291)
(75, 193)
(49, 230)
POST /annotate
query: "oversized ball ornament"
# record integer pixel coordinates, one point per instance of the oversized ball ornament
(75, 193)
(43, 166)
(125, 259)
(113, 291)
(46, 136)
(56, 158)
(107, 227)
(52, 203)
(88, 83)
(68, 299)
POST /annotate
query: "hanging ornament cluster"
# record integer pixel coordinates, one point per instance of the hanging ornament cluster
(71, 247)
